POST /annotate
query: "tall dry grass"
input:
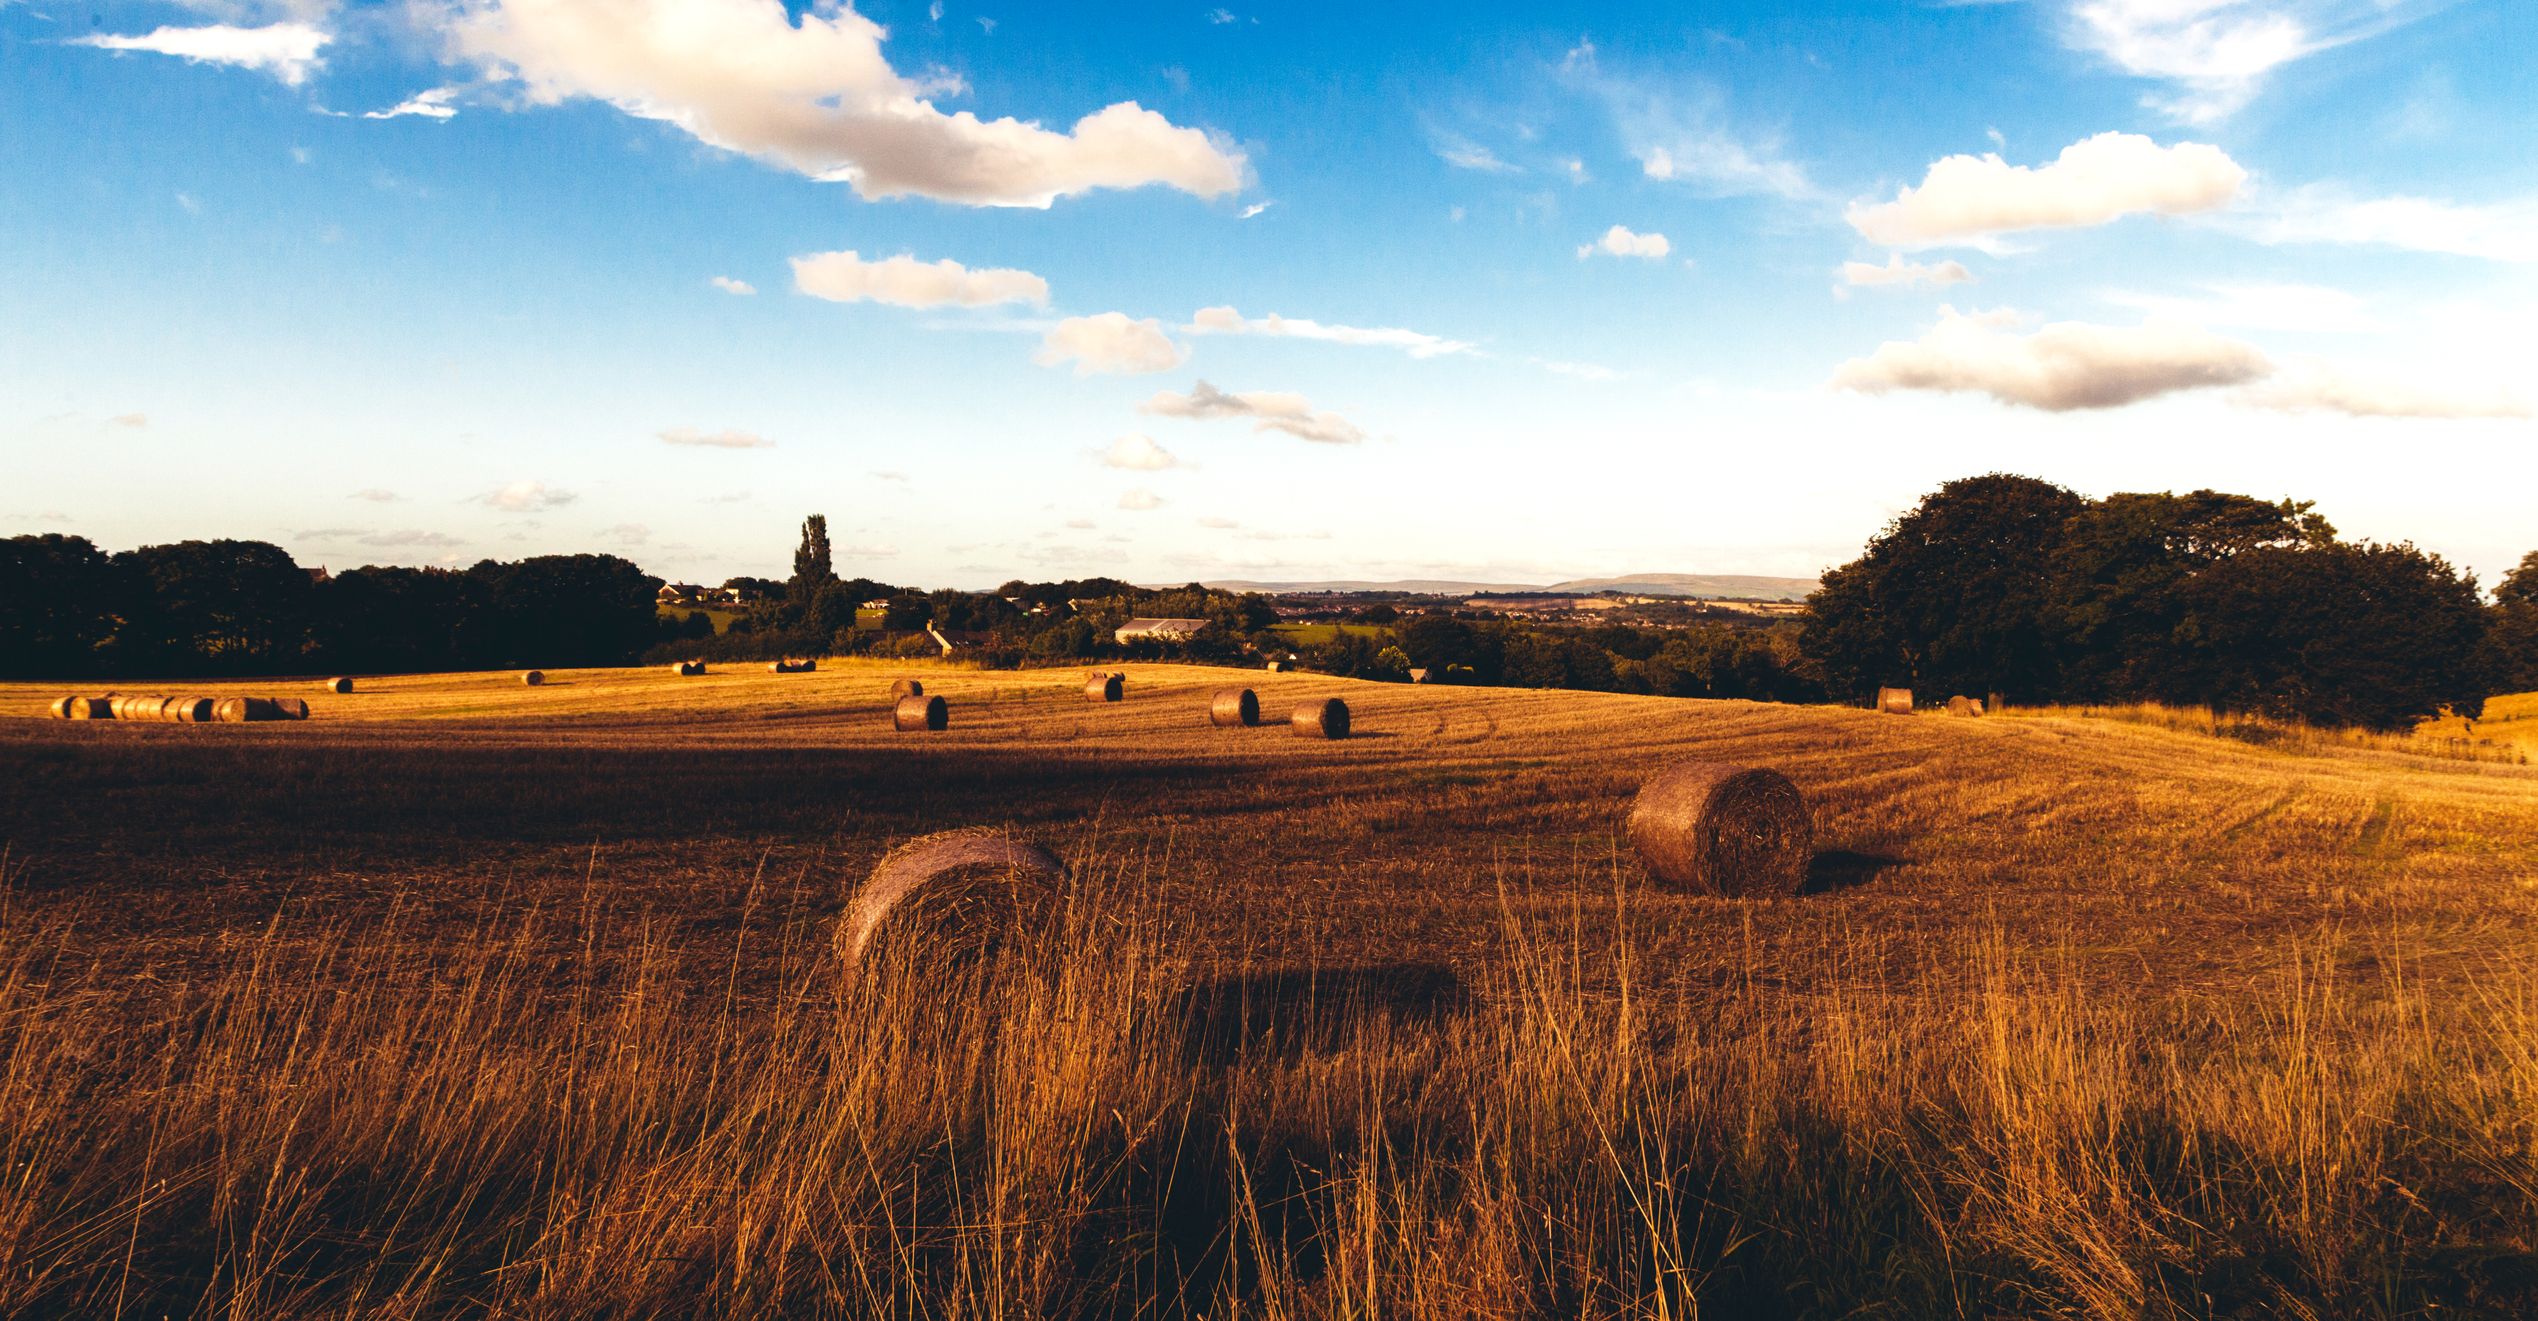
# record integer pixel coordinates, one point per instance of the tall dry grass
(2448, 738)
(565, 1111)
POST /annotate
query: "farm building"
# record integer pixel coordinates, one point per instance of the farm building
(1160, 630)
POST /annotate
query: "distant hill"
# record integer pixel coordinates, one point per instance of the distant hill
(1743, 587)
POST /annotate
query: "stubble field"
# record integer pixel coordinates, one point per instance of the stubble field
(467, 997)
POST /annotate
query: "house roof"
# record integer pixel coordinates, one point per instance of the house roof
(1163, 626)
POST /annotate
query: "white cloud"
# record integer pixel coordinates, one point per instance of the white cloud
(2060, 368)
(1140, 499)
(1464, 154)
(288, 51)
(903, 281)
(2503, 231)
(1223, 16)
(377, 495)
(2216, 54)
(434, 104)
(1897, 271)
(724, 440)
(133, 421)
(1110, 344)
(1139, 453)
(1268, 410)
(1620, 242)
(1227, 321)
(1219, 522)
(1680, 133)
(819, 97)
(731, 286)
(1255, 209)
(524, 497)
(1968, 199)
(2314, 386)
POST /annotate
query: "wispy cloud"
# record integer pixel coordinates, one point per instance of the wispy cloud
(434, 104)
(1228, 321)
(726, 439)
(1268, 410)
(2214, 56)
(288, 51)
(527, 497)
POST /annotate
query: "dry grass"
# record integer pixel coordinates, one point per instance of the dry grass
(471, 997)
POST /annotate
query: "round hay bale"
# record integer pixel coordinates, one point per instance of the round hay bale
(1995, 703)
(1277, 667)
(1965, 706)
(533, 678)
(1715, 828)
(959, 896)
(61, 707)
(131, 707)
(1895, 701)
(919, 713)
(1105, 688)
(191, 710)
(238, 710)
(339, 684)
(688, 668)
(1234, 706)
(290, 708)
(902, 688)
(92, 708)
(1327, 718)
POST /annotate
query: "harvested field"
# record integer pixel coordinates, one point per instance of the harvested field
(466, 995)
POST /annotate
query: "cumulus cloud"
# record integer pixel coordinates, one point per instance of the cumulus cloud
(1969, 199)
(1620, 242)
(2504, 231)
(1268, 410)
(818, 96)
(2216, 54)
(527, 497)
(2313, 386)
(2060, 368)
(434, 104)
(903, 281)
(1139, 453)
(731, 286)
(1897, 271)
(726, 439)
(288, 51)
(1227, 321)
(1140, 499)
(1110, 344)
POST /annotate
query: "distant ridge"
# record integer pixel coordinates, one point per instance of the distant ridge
(1714, 586)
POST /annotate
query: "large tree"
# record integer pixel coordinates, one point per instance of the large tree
(377, 620)
(813, 568)
(215, 607)
(1955, 596)
(60, 599)
(557, 610)
(2511, 648)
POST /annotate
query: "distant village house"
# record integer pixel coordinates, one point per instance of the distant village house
(1160, 630)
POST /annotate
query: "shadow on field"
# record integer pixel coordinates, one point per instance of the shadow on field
(1282, 1015)
(1841, 869)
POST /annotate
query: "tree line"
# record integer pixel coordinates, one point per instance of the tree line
(2010, 584)
(210, 608)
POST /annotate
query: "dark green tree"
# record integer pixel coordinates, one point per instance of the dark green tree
(812, 567)
(215, 607)
(386, 620)
(2511, 641)
(559, 610)
(1954, 596)
(60, 600)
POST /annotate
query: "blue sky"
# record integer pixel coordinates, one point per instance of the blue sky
(1168, 291)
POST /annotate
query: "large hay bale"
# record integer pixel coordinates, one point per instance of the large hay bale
(1715, 828)
(240, 710)
(339, 684)
(1277, 667)
(1895, 701)
(191, 710)
(688, 668)
(92, 708)
(901, 688)
(919, 713)
(61, 707)
(1965, 706)
(1327, 718)
(1105, 688)
(533, 678)
(290, 708)
(134, 707)
(1234, 706)
(954, 898)
(792, 665)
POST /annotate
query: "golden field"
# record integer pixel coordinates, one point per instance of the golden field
(465, 997)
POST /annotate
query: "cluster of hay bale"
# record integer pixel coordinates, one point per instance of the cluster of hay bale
(1895, 701)
(1714, 828)
(184, 710)
(688, 669)
(1965, 706)
(793, 665)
